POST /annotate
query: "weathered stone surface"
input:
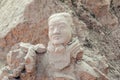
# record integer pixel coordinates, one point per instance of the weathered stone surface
(115, 7)
(25, 17)
(101, 10)
(15, 10)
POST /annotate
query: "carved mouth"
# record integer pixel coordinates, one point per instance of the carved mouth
(56, 37)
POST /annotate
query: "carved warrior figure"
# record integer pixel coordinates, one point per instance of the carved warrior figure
(64, 53)
(63, 49)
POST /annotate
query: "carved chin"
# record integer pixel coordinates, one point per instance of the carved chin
(59, 39)
(57, 42)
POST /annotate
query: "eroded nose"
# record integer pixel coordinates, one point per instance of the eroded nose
(56, 30)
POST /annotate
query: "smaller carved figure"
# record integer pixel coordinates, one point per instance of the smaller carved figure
(21, 60)
(30, 60)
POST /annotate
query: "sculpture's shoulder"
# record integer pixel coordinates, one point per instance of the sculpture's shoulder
(92, 66)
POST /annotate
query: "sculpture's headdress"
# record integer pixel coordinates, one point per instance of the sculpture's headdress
(64, 16)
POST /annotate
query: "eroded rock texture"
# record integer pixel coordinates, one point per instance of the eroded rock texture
(96, 24)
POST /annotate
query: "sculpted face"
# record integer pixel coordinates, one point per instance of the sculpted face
(59, 31)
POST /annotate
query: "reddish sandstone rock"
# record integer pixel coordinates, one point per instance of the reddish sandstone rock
(86, 76)
(101, 9)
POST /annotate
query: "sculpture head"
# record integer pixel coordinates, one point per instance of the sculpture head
(60, 28)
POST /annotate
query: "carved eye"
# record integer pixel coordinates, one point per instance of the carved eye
(61, 26)
(51, 28)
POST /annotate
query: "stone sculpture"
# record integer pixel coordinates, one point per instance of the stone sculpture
(21, 60)
(63, 58)
(62, 48)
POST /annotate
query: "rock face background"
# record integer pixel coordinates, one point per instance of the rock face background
(97, 24)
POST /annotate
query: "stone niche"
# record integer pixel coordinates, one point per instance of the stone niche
(63, 59)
